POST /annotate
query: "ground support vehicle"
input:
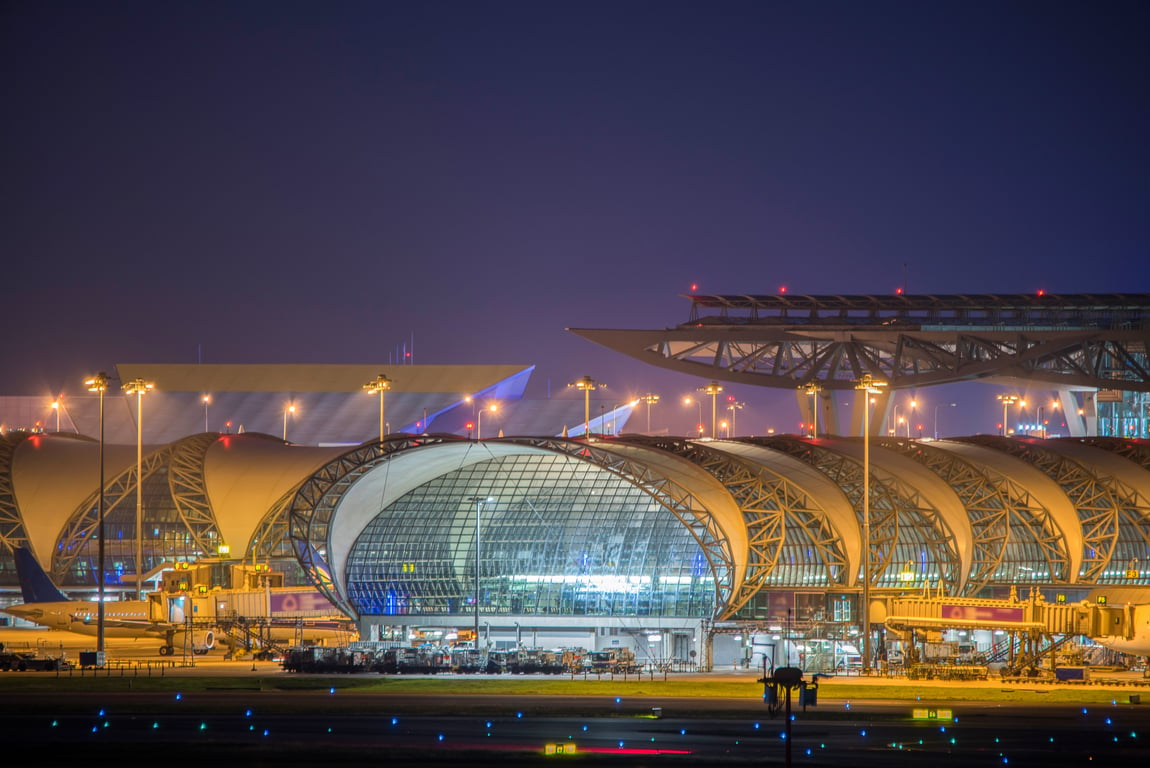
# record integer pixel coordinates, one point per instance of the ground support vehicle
(614, 660)
(17, 661)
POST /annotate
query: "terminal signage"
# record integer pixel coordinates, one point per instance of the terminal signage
(302, 601)
(983, 613)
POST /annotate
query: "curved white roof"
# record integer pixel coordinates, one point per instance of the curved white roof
(52, 475)
(245, 475)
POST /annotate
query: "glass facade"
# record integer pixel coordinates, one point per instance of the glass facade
(166, 536)
(556, 536)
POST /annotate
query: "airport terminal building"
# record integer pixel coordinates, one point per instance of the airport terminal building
(671, 546)
(558, 530)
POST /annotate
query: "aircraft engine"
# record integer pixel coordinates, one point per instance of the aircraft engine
(202, 642)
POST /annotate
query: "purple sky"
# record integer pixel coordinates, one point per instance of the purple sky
(322, 182)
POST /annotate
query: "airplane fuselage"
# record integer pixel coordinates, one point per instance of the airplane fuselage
(122, 618)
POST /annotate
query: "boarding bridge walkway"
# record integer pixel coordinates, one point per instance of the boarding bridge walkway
(1037, 627)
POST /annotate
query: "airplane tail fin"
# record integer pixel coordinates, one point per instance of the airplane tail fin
(35, 585)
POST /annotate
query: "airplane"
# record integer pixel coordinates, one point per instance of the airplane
(1138, 642)
(44, 604)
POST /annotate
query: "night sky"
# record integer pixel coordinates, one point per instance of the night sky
(323, 182)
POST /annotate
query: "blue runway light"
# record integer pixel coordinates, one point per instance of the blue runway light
(265, 732)
(756, 726)
(1108, 721)
(682, 731)
(487, 724)
(179, 696)
(519, 715)
(584, 728)
(395, 721)
(155, 726)
(862, 733)
(248, 713)
(618, 699)
(441, 737)
(331, 690)
(101, 713)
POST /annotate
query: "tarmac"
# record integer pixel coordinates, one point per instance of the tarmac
(142, 655)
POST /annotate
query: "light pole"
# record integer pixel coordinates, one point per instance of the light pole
(99, 383)
(910, 417)
(56, 408)
(289, 409)
(732, 407)
(650, 400)
(586, 384)
(1007, 401)
(479, 501)
(479, 421)
(868, 386)
(712, 389)
(813, 389)
(139, 388)
(379, 385)
(940, 405)
(207, 399)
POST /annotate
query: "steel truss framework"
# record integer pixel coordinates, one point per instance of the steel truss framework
(184, 465)
(1136, 451)
(1074, 340)
(897, 511)
(312, 510)
(12, 530)
(775, 511)
(1011, 529)
(1107, 508)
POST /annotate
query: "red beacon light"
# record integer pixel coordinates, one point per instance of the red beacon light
(782, 289)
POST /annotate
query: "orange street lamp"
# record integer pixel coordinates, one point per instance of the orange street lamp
(287, 410)
(712, 389)
(1007, 401)
(99, 383)
(650, 400)
(479, 428)
(813, 389)
(586, 384)
(139, 388)
(379, 386)
(869, 386)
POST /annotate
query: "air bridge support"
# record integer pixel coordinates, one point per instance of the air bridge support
(1040, 625)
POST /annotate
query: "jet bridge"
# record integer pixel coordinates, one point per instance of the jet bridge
(1033, 622)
